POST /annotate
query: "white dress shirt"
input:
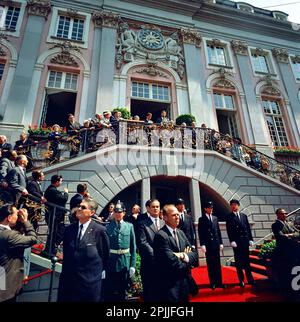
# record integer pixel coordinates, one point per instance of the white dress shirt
(5, 226)
(84, 228)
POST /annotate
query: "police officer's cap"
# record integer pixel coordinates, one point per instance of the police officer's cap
(208, 204)
(234, 201)
(119, 206)
(179, 201)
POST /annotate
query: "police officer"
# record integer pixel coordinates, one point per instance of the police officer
(121, 262)
(211, 244)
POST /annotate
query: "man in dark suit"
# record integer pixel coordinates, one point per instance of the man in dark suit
(4, 146)
(17, 180)
(86, 252)
(6, 164)
(73, 130)
(12, 246)
(145, 237)
(240, 237)
(175, 257)
(53, 195)
(186, 223)
(82, 192)
(285, 255)
(146, 214)
(36, 195)
(211, 244)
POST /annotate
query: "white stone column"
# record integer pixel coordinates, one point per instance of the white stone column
(84, 97)
(195, 200)
(109, 22)
(145, 193)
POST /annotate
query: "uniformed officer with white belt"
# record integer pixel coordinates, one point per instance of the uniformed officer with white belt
(121, 262)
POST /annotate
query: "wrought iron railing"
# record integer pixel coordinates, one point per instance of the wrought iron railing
(166, 136)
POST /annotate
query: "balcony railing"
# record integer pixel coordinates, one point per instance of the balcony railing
(165, 136)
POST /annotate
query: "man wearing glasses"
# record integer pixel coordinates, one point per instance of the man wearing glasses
(86, 252)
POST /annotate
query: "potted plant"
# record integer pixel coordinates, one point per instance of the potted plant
(126, 115)
(266, 253)
(185, 118)
(136, 288)
(287, 150)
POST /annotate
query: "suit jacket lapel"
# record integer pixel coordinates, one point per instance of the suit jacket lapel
(87, 233)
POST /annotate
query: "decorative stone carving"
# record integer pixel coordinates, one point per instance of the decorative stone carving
(191, 36)
(270, 88)
(106, 19)
(39, 7)
(222, 82)
(281, 55)
(149, 43)
(259, 52)
(65, 58)
(296, 59)
(240, 47)
(151, 69)
(72, 13)
(2, 52)
(216, 43)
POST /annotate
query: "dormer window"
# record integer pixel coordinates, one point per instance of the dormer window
(280, 15)
(245, 7)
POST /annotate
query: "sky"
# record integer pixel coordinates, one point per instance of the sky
(291, 7)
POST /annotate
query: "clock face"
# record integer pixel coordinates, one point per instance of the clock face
(151, 39)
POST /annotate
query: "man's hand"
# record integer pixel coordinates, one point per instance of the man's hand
(103, 275)
(203, 248)
(251, 243)
(187, 250)
(22, 215)
(131, 271)
(233, 244)
(221, 247)
(66, 190)
(43, 200)
(25, 192)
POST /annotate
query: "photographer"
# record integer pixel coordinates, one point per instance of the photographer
(12, 246)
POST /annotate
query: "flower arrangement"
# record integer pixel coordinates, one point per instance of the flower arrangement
(286, 149)
(267, 250)
(42, 130)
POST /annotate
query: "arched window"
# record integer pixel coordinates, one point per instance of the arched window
(275, 121)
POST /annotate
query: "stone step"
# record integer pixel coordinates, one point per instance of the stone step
(260, 269)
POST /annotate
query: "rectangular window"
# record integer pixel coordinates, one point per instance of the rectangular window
(1, 70)
(275, 123)
(62, 80)
(160, 92)
(70, 28)
(12, 17)
(260, 63)
(216, 55)
(223, 101)
(296, 69)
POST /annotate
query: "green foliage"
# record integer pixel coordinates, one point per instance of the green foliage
(267, 250)
(185, 118)
(125, 113)
(136, 286)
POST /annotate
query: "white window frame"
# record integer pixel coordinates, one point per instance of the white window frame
(279, 15)
(57, 12)
(270, 62)
(63, 81)
(241, 5)
(150, 98)
(228, 55)
(71, 26)
(234, 109)
(297, 80)
(272, 115)
(22, 5)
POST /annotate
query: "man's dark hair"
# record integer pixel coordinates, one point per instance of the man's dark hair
(279, 210)
(36, 174)
(152, 200)
(5, 211)
(55, 178)
(81, 187)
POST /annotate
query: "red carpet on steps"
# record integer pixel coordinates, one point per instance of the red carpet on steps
(262, 292)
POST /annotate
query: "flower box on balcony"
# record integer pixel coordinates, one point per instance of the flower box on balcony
(286, 150)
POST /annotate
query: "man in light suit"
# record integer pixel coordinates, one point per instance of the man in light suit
(211, 244)
(175, 257)
(17, 180)
(12, 246)
(86, 251)
(145, 237)
(240, 237)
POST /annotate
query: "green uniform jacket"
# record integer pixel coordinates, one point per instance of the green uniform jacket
(121, 239)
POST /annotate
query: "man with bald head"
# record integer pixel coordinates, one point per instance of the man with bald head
(174, 256)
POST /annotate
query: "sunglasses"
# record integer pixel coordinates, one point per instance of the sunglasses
(83, 207)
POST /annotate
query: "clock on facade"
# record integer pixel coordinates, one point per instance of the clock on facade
(151, 39)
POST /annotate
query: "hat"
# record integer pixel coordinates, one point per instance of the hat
(119, 207)
(56, 125)
(208, 204)
(179, 201)
(106, 112)
(234, 201)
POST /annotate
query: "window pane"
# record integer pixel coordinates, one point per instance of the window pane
(71, 81)
(12, 17)
(216, 55)
(296, 68)
(63, 27)
(77, 31)
(229, 102)
(218, 101)
(260, 63)
(272, 131)
(55, 79)
(1, 70)
(267, 107)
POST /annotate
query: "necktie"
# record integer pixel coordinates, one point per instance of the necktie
(176, 238)
(119, 225)
(156, 223)
(79, 234)
(210, 218)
